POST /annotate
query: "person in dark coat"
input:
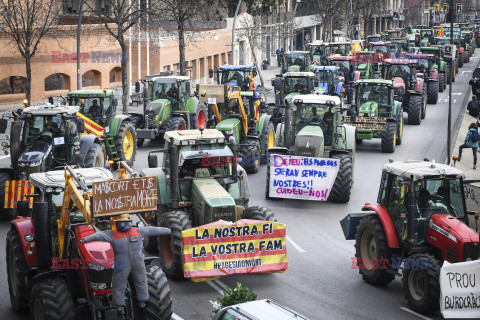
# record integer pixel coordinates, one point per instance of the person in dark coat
(475, 83)
(279, 56)
(470, 142)
(127, 247)
(473, 107)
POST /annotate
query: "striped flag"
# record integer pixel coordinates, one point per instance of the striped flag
(252, 81)
(15, 190)
(440, 32)
(91, 126)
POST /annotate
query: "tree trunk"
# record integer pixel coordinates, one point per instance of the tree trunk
(181, 46)
(125, 84)
(258, 69)
(28, 85)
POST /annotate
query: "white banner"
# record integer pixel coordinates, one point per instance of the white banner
(460, 290)
(302, 177)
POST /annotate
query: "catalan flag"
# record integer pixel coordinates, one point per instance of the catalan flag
(440, 32)
(91, 126)
(15, 190)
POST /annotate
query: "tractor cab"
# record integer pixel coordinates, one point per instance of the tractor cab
(339, 48)
(394, 34)
(425, 63)
(236, 75)
(374, 97)
(344, 65)
(330, 80)
(297, 61)
(173, 90)
(374, 38)
(379, 47)
(291, 84)
(402, 71)
(318, 52)
(96, 104)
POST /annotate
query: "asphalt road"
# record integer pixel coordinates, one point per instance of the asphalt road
(320, 282)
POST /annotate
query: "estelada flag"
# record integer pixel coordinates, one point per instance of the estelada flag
(91, 126)
(440, 32)
(222, 248)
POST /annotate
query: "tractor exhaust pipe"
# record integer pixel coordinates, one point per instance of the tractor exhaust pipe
(41, 218)
(15, 132)
(172, 153)
(288, 122)
(411, 214)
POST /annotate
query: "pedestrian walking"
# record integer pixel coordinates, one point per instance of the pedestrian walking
(475, 83)
(473, 107)
(471, 141)
(279, 57)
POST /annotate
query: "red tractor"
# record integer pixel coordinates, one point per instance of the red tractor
(408, 87)
(426, 70)
(420, 221)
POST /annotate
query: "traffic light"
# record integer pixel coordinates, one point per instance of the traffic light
(459, 7)
(445, 7)
(437, 7)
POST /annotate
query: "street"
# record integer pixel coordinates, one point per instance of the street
(320, 283)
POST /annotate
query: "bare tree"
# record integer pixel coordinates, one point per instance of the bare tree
(286, 28)
(26, 23)
(118, 16)
(249, 28)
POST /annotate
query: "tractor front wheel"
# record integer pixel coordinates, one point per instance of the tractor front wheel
(258, 213)
(340, 192)
(250, 154)
(51, 299)
(159, 303)
(441, 82)
(414, 109)
(200, 116)
(432, 92)
(125, 143)
(370, 249)
(16, 272)
(421, 285)
(176, 123)
(460, 60)
(389, 137)
(170, 247)
(94, 157)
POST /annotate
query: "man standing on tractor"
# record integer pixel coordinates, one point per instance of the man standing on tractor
(127, 246)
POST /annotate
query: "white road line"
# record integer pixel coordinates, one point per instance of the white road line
(415, 313)
(296, 246)
(176, 317)
(215, 286)
(4, 157)
(220, 284)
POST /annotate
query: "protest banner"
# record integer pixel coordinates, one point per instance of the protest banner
(460, 290)
(305, 178)
(222, 248)
(124, 196)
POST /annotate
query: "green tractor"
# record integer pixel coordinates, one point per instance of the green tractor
(199, 182)
(98, 109)
(167, 105)
(290, 84)
(376, 114)
(237, 114)
(297, 61)
(318, 52)
(313, 127)
(440, 65)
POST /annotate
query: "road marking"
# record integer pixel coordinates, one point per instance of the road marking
(466, 71)
(457, 94)
(176, 317)
(220, 284)
(415, 313)
(215, 286)
(4, 157)
(299, 249)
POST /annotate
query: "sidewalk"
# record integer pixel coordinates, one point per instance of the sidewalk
(269, 74)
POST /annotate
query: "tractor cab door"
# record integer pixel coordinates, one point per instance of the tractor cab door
(182, 94)
(109, 107)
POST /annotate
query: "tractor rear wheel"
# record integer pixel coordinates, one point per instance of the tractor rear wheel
(414, 109)
(389, 137)
(258, 213)
(370, 247)
(400, 128)
(170, 247)
(421, 285)
(250, 154)
(51, 299)
(432, 92)
(340, 192)
(176, 123)
(424, 100)
(159, 303)
(268, 141)
(4, 213)
(16, 272)
(125, 143)
(200, 116)
(460, 60)
(94, 157)
(441, 82)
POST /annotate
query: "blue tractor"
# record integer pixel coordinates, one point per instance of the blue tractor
(239, 76)
(330, 80)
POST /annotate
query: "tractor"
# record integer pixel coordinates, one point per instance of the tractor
(339, 48)
(367, 64)
(43, 138)
(239, 76)
(199, 182)
(419, 221)
(444, 41)
(290, 84)
(55, 276)
(376, 114)
(330, 80)
(313, 127)
(430, 75)
(408, 87)
(297, 61)
(439, 64)
(237, 115)
(318, 52)
(98, 109)
(167, 105)
(346, 67)
(374, 38)
(381, 47)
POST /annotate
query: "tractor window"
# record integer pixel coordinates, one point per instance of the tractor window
(439, 196)
(295, 84)
(165, 90)
(40, 131)
(91, 107)
(231, 109)
(318, 50)
(398, 70)
(372, 93)
(324, 76)
(231, 314)
(316, 115)
(379, 49)
(396, 190)
(236, 77)
(108, 107)
(338, 50)
(296, 58)
(423, 63)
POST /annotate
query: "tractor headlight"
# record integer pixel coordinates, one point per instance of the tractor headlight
(98, 286)
(229, 132)
(363, 114)
(372, 114)
(29, 237)
(21, 164)
(95, 267)
(34, 164)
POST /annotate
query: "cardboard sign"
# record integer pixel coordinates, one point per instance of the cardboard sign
(59, 141)
(124, 196)
(460, 290)
(208, 91)
(369, 57)
(302, 177)
(222, 248)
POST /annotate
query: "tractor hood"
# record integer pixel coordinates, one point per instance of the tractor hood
(31, 158)
(211, 202)
(451, 228)
(398, 82)
(309, 142)
(290, 96)
(156, 107)
(294, 68)
(227, 124)
(369, 107)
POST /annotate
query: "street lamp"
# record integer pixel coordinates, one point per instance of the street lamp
(79, 31)
(293, 24)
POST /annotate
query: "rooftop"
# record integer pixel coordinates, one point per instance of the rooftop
(421, 169)
(318, 98)
(49, 109)
(191, 135)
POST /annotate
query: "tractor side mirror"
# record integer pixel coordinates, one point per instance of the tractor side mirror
(80, 125)
(50, 100)
(152, 161)
(187, 88)
(137, 87)
(145, 92)
(3, 125)
(396, 193)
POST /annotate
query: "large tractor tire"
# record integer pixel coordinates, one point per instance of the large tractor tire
(159, 303)
(340, 192)
(432, 92)
(200, 116)
(370, 246)
(4, 213)
(449, 75)
(126, 143)
(51, 299)
(441, 82)
(400, 128)
(421, 285)
(170, 247)
(258, 213)
(268, 141)
(414, 109)
(176, 123)
(250, 154)
(16, 272)
(389, 138)
(94, 157)
(424, 100)
(460, 60)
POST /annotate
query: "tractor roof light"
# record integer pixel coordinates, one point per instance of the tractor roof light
(297, 101)
(330, 103)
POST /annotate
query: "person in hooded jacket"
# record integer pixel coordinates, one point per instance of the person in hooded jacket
(471, 141)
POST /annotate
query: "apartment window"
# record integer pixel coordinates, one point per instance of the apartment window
(70, 6)
(104, 7)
